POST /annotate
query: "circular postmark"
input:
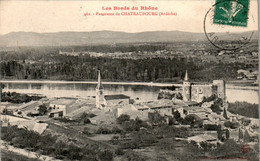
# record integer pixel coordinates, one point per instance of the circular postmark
(227, 24)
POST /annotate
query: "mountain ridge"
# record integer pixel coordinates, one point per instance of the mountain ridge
(69, 38)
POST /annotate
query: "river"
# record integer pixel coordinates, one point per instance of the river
(144, 91)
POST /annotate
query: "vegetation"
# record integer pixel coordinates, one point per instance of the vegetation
(123, 118)
(11, 156)
(217, 103)
(232, 125)
(48, 145)
(14, 97)
(244, 109)
(106, 130)
(212, 127)
(209, 99)
(156, 119)
(42, 109)
(82, 119)
(225, 113)
(228, 150)
(133, 125)
(7, 112)
(215, 107)
(48, 64)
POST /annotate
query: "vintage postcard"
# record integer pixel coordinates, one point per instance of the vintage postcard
(129, 80)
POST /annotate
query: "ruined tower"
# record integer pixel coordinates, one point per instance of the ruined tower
(186, 88)
(99, 92)
(221, 88)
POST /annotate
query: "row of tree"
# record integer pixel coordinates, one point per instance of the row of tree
(244, 109)
(60, 67)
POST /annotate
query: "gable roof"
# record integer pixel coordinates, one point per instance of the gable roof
(117, 96)
(202, 138)
(63, 101)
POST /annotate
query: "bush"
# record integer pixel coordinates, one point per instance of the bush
(7, 112)
(17, 97)
(42, 109)
(29, 114)
(86, 121)
(246, 122)
(177, 115)
(134, 157)
(116, 130)
(105, 156)
(209, 99)
(215, 108)
(123, 118)
(231, 124)
(211, 127)
(103, 130)
(86, 131)
(156, 118)
(192, 121)
(119, 152)
(132, 125)
(47, 145)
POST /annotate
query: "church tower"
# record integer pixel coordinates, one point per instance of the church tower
(99, 92)
(186, 88)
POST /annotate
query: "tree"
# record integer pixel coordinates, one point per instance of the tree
(246, 136)
(2, 86)
(123, 118)
(156, 118)
(176, 115)
(240, 135)
(192, 121)
(105, 156)
(42, 109)
(227, 134)
(244, 109)
(225, 114)
(215, 108)
(220, 134)
(232, 125)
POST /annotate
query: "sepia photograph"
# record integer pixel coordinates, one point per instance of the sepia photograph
(129, 80)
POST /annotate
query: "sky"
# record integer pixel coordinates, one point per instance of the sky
(56, 16)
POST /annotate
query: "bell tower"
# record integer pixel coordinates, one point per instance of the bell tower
(99, 92)
(186, 88)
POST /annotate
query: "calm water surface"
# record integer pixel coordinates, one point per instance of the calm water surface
(141, 91)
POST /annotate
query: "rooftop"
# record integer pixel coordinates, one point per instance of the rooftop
(63, 101)
(117, 96)
(202, 138)
(163, 103)
(191, 103)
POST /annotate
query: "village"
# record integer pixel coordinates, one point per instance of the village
(199, 108)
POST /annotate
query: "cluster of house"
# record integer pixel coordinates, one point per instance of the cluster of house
(192, 94)
(247, 74)
(20, 122)
(187, 105)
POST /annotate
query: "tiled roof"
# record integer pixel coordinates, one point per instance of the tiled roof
(63, 101)
(117, 96)
(202, 138)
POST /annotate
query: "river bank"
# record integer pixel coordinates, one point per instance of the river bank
(230, 85)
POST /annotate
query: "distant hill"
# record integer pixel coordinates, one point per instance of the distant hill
(100, 37)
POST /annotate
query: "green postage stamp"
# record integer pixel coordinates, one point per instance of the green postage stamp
(231, 12)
